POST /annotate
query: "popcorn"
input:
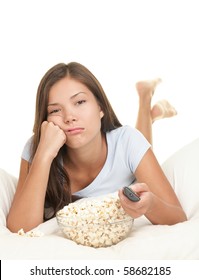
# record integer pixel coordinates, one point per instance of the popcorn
(31, 233)
(96, 222)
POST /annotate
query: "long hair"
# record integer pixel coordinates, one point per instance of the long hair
(58, 192)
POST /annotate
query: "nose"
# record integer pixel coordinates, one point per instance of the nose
(69, 119)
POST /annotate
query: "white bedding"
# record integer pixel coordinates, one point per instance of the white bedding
(148, 242)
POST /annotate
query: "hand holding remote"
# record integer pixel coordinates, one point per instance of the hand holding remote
(130, 194)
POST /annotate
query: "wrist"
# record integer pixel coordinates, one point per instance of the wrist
(151, 204)
(43, 156)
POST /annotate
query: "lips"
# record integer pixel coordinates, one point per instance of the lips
(74, 130)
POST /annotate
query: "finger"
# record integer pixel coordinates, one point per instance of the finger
(44, 123)
(139, 187)
(127, 203)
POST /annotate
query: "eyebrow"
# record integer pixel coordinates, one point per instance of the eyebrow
(72, 97)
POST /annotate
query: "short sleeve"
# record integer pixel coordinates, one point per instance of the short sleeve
(26, 153)
(136, 147)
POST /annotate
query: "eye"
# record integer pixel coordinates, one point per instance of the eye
(54, 111)
(80, 102)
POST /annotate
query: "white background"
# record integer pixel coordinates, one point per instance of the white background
(120, 41)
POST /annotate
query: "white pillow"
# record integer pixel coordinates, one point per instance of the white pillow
(182, 170)
(7, 189)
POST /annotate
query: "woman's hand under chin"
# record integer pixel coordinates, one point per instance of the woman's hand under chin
(52, 139)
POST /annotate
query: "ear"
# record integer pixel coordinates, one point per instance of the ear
(101, 114)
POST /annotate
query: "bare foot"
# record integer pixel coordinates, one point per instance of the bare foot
(147, 86)
(162, 109)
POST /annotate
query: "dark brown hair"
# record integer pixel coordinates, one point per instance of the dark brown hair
(58, 192)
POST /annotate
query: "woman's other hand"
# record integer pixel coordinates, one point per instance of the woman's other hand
(143, 206)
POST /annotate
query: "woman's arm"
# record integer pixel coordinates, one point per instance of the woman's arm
(27, 209)
(28, 205)
(159, 202)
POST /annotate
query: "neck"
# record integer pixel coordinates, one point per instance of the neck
(90, 156)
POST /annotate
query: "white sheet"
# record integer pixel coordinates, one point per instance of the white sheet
(152, 242)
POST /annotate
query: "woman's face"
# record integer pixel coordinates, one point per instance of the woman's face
(73, 107)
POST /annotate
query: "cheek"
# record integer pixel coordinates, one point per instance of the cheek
(94, 112)
(57, 120)
(93, 116)
(94, 121)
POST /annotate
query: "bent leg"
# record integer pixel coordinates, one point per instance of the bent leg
(147, 114)
(162, 109)
(145, 90)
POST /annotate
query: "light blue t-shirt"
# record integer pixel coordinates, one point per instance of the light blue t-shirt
(126, 147)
